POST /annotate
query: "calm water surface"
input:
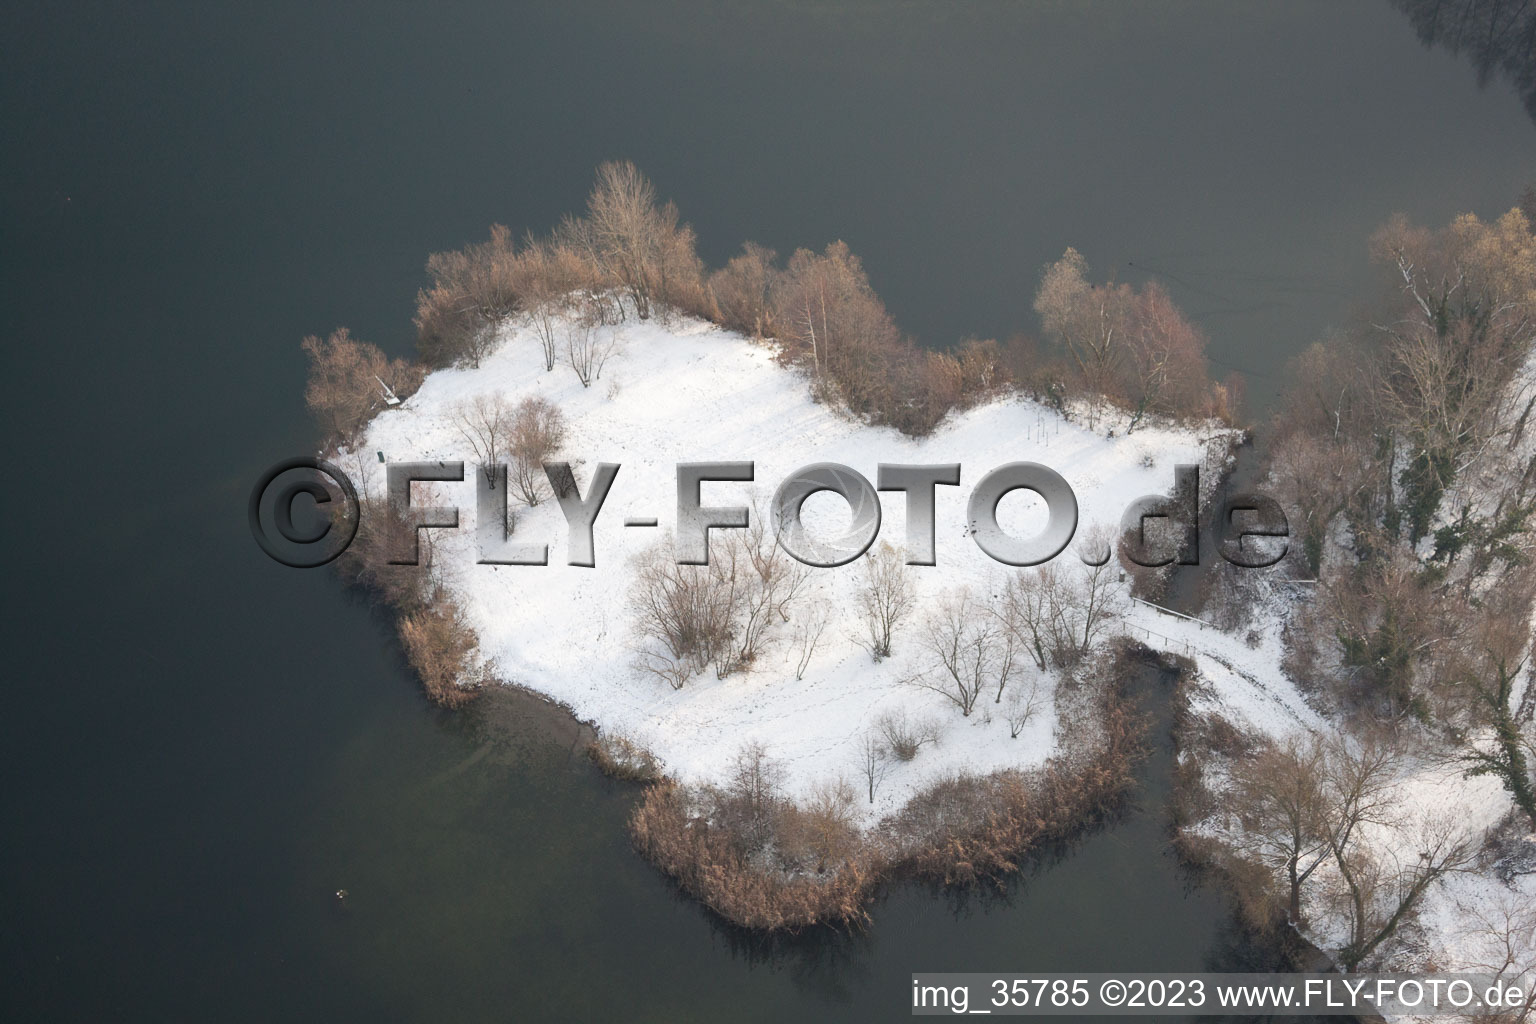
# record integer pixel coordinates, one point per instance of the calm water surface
(200, 746)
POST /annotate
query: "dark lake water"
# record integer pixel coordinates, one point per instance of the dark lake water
(199, 746)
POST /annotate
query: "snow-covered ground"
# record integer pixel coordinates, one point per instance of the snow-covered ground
(1463, 921)
(692, 392)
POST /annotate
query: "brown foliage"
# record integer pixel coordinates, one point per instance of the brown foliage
(366, 561)
(473, 291)
(766, 863)
(968, 829)
(741, 292)
(1132, 349)
(351, 380)
(638, 246)
(709, 865)
(822, 834)
(621, 756)
(441, 647)
(537, 432)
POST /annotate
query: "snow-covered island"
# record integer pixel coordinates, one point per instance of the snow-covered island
(690, 392)
(1353, 725)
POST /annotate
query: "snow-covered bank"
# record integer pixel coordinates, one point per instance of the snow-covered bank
(1477, 917)
(692, 392)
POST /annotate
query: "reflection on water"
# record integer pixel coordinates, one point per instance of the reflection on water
(1497, 36)
(503, 847)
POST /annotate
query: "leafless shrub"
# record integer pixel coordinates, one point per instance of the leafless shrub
(683, 616)
(823, 833)
(536, 432)
(474, 290)
(621, 756)
(904, 736)
(723, 614)
(741, 291)
(885, 599)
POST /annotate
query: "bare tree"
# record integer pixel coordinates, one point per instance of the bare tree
(832, 322)
(1166, 357)
(1058, 617)
(1318, 479)
(485, 424)
(874, 761)
(811, 624)
(1463, 326)
(763, 582)
(1089, 321)
(1505, 943)
(1356, 790)
(536, 431)
(1393, 635)
(1135, 349)
(1281, 798)
(972, 650)
(1099, 603)
(752, 797)
(640, 244)
(1023, 703)
(741, 291)
(554, 275)
(1379, 897)
(1029, 603)
(885, 599)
